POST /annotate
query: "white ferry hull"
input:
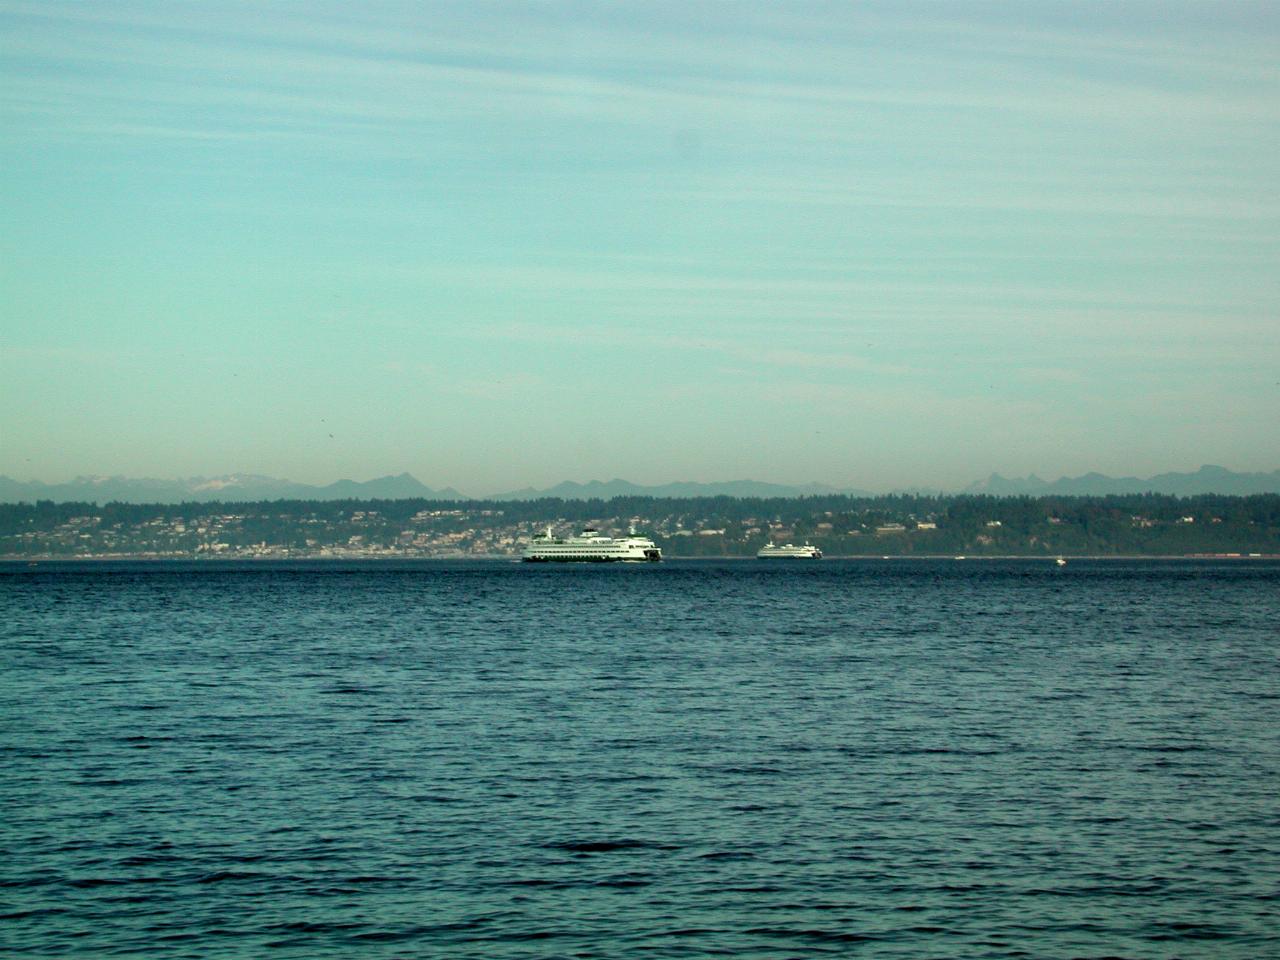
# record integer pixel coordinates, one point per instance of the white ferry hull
(553, 559)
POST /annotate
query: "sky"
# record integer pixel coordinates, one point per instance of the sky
(866, 244)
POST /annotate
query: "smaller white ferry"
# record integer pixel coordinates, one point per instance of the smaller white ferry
(789, 551)
(591, 546)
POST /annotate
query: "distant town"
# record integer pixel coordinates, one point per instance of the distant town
(898, 525)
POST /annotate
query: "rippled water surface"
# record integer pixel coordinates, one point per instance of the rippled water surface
(872, 759)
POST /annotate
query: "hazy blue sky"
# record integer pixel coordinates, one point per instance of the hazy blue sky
(869, 244)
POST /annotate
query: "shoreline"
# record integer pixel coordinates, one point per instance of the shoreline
(514, 558)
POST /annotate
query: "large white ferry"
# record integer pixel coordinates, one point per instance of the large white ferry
(789, 551)
(591, 546)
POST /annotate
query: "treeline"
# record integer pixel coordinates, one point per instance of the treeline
(1261, 509)
(1257, 507)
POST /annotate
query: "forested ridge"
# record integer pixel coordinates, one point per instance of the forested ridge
(1144, 524)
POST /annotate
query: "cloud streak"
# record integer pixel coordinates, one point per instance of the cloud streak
(934, 226)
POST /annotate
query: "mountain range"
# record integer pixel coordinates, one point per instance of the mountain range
(250, 487)
(596, 489)
(1208, 479)
(234, 487)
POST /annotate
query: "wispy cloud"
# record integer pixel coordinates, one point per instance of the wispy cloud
(937, 226)
(286, 67)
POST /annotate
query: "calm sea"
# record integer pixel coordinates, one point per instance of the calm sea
(846, 758)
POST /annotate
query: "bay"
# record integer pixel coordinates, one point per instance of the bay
(848, 758)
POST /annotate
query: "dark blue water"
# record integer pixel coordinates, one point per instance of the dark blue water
(871, 759)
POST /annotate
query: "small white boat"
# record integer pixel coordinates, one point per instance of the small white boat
(1060, 562)
(789, 551)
